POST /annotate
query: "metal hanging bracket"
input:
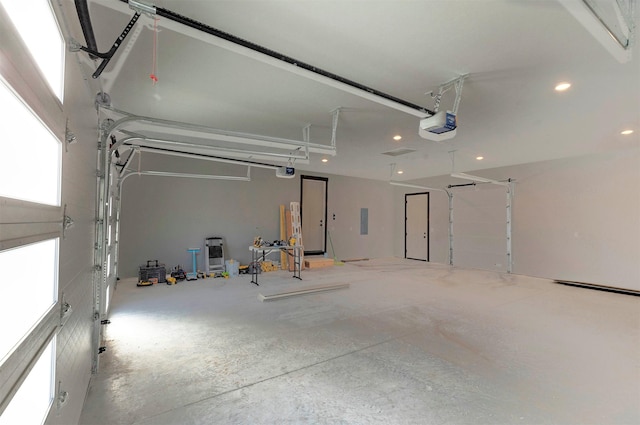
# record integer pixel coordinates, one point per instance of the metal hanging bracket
(102, 100)
(65, 312)
(67, 222)
(62, 398)
(306, 133)
(334, 126)
(457, 84)
(140, 7)
(69, 137)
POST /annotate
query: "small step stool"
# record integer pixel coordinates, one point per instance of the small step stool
(214, 255)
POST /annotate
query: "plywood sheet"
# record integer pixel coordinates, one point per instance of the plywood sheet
(314, 263)
(283, 236)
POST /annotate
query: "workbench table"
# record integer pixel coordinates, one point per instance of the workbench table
(259, 254)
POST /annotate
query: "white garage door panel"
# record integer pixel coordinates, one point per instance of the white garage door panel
(480, 228)
(26, 222)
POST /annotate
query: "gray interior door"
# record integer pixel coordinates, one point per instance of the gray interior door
(416, 242)
(313, 214)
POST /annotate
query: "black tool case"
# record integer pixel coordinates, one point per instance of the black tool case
(151, 270)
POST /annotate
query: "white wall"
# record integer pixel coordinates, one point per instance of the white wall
(347, 195)
(579, 219)
(164, 216)
(573, 219)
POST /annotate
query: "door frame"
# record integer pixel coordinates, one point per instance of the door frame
(406, 195)
(326, 201)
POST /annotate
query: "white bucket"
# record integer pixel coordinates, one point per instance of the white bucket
(232, 267)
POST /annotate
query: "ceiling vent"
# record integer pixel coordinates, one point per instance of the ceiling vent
(398, 152)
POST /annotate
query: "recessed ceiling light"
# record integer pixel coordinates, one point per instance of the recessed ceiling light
(479, 158)
(325, 160)
(397, 137)
(400, 172)
(563, 86)
(626, 132)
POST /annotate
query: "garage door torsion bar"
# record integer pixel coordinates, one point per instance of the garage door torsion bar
(279, 56)
(461, 185)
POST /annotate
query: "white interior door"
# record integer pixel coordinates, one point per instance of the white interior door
(314, 214)
(417, 226)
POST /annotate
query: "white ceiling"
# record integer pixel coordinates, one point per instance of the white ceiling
(514, 52)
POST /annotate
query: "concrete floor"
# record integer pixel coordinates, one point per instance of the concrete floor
(407, 343)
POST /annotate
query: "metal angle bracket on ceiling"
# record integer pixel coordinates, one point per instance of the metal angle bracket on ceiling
(335, 113)
(457, 84)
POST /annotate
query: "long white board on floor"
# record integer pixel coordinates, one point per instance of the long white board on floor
(303, 290)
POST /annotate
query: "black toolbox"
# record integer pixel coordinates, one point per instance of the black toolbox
(151, 270)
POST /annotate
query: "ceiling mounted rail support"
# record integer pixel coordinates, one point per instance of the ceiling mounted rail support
(457, 84)
(204, 157)
(334, 126)
(216, 150)
(221, 135)
(266, 55)
(140, 7)
(106, 57)
(306, 133)
(186, 175)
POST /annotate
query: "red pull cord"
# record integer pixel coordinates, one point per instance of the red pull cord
(153, 76)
